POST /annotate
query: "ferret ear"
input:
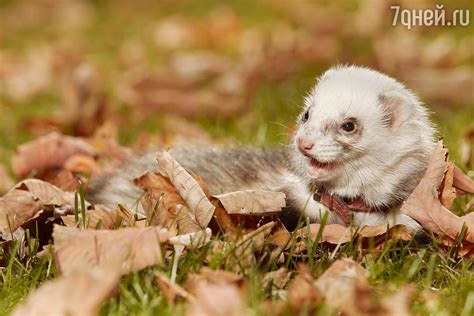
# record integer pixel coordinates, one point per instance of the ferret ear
(397, 108)
(327, 74)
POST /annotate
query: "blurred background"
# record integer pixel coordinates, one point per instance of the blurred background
(162, 72)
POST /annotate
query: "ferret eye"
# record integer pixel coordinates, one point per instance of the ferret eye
(305, 116)
(348, 127)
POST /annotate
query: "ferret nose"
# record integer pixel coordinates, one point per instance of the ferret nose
(304, 145)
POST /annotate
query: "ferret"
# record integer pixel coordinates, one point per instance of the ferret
(362, 144)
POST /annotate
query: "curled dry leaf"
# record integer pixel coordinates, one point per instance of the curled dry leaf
(185, 219)
(160, 200)
(447, 192)
(188, 188)
(47, 152)
(462, 182)
(26, 199)
(424, 206)
(252, 202)
(130, 248)
(17, 207)
(337, 234)
(46, 192)
(80, 293)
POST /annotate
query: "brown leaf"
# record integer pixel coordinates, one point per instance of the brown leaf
(188, 188)
(213, 276)
(398, 303)
(80, 293)
(17, 207)
(26, 199)
(462, 182)
(98, 218)
(185, 219)
(50, 151)
(447, 192)
(64, 179)
(303, 294)
(192, 240)
(437, 166)
(171, 291)
(131, 248)
(342, 282)
(216, 293)
(80, 163)
(252, 202)
(337, 234)
(160, 200)
(46, 192)
(423, 204)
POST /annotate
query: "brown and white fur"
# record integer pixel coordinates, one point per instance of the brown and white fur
(361, 135)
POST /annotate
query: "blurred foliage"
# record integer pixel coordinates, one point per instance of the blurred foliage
(267, 53)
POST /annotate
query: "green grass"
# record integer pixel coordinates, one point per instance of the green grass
(399, 264)
(268, 122)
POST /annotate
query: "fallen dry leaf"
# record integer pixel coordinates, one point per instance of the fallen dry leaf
(171, 290)
(98, 218)
(26, 200)
(398, 303)
(213, 276)
(447, 192)
(17, 207)
(46, 192)
(252, 202)
(130, 248)
(80, 293)
(216, 293)
(341, 284)
(192, 240)
(185, 219)
(462, 182)
(188, 188)
(50, 151)
(336, 234)
(64, 179)
(303, 294)
(160, 200)
(423, 204)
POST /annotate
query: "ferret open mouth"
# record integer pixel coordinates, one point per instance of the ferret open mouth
(321, 165)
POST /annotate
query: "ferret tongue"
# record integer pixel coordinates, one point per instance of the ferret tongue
(320, 165)
(319, 169)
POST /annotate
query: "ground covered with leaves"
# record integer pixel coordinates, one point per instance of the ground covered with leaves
(86, 86)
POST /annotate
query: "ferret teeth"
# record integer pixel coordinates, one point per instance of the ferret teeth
(322, 165)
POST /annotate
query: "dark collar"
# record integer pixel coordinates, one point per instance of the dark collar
(341, 206)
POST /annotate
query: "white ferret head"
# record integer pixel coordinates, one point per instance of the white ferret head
(363, 134)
